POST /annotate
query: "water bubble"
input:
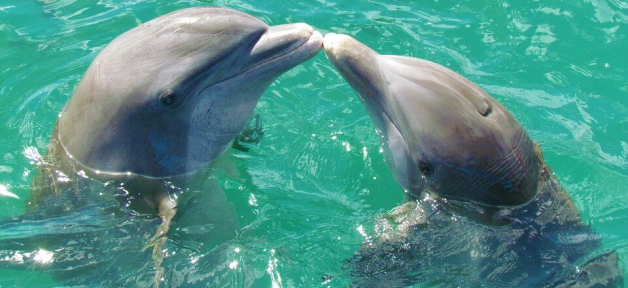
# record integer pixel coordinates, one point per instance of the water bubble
(361, 231)
(253, 200)
(233, 265)
(347, 146)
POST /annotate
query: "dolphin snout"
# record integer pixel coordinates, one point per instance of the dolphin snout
(328, 44)
(283, 39)
(349, 56)
(343, 48)
(290, 30)
(328, 41)
(356, 62)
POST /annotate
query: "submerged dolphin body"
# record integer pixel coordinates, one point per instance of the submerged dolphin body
(487, 211)
(156, 109)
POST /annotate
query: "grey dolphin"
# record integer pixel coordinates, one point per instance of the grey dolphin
(445, 136)
(168, 97)
(161, 103)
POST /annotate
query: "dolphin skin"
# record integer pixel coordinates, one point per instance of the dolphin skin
(485, 209)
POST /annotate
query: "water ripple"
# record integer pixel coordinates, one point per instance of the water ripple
(318, 173)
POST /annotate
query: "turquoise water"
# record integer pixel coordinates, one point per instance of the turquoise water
(317, 179)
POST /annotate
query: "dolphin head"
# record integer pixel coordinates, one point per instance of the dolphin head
(170, 95)
(440, 132)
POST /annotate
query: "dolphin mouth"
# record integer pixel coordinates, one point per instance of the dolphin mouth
(328, 43)
(358, 64)
(298, 42)
(281, 41)
(360, 67)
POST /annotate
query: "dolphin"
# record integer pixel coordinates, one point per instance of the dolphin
(485, 209)
(168, 97)
(161, 104)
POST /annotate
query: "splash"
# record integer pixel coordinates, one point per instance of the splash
(4, 191)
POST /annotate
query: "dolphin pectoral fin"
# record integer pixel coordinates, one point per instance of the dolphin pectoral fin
(167, 211)
(226, 165)
(397, 224)
(206, 218)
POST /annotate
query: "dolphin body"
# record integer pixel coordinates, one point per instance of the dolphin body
(150, 118)
(486, 210)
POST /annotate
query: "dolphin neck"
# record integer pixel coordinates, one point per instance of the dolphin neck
(58, 149)
(550, 205)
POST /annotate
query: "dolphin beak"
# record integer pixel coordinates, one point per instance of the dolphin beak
(281, 40)
(356, 62)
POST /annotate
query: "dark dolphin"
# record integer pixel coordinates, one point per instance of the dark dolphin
(486, 211)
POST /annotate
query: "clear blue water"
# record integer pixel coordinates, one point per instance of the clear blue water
(317, 178)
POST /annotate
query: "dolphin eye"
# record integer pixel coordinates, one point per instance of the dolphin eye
(169, 99)
(425, 168)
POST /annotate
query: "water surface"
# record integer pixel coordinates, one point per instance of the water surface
(308, 194)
